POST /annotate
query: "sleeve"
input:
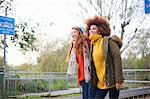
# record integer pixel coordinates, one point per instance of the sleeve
(117, 61)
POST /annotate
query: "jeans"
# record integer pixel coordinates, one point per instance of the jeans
(85, 89)
(101, 93)
(92, 93)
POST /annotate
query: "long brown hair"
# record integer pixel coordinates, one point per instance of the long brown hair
(78, 45)
(80, 39)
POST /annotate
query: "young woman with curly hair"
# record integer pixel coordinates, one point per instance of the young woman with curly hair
(106, 64)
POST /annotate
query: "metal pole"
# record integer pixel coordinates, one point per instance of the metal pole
(5, 40)
(4, 50)
(4, 66)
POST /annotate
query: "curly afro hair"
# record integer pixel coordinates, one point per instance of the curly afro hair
(101, 22)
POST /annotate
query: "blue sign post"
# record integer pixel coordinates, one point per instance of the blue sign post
(6, 28)
(6, 25)
(147, 6)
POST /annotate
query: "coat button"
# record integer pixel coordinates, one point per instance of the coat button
(107, 84)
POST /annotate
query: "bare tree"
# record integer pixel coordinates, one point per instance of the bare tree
(6, 4)
(144, 42)
(126, 16)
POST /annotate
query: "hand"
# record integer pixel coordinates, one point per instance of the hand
(119, 86)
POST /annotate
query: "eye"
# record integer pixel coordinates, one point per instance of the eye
(94, 28)
(73, 35)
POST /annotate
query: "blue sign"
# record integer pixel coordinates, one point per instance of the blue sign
(147, 6)
(7, 25)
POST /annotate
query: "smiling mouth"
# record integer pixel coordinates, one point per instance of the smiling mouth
(74, 40)
(91, 33)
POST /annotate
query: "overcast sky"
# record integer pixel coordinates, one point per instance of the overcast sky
(44, 12)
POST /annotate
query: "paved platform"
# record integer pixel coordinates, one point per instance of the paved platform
(53, 93)
(137, 92)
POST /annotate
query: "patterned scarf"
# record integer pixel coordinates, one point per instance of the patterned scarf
(73, 63)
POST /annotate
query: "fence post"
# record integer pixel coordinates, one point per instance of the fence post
(67, 81)
(49, 89)
(2, 82)
(15, 83)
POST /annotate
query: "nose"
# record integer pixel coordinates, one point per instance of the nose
(90, 31)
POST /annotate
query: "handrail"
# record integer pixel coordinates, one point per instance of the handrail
(136, 70)
(136, 81)
(130, 93)
(53, 73)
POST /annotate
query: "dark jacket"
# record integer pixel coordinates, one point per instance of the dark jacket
(113, 64)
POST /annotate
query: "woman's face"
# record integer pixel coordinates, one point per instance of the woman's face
(94, 30)
(75, 35)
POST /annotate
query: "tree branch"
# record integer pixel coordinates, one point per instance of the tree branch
(136, 29)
